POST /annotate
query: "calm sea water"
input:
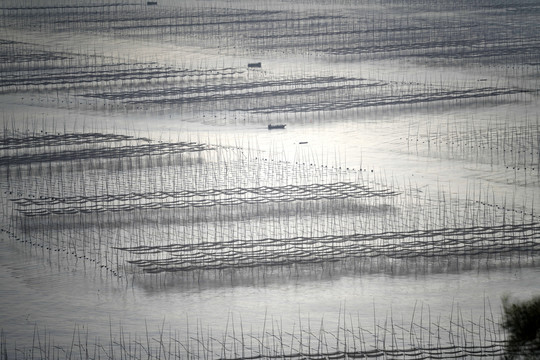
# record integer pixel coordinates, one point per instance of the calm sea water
(428, 122)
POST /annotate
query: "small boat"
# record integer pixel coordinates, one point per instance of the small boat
(255, 65)
(151, 3)
(277, 126)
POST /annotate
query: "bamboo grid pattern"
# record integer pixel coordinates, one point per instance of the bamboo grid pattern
(473, 241)
(423, 337)
(105, 152)
(204, 198)
(34, 141)
(174, 219)
(214, 244)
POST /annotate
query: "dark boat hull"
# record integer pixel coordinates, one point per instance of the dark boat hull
(279, 126)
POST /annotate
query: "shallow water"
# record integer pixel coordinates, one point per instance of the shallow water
(36, 294)
(432, 107)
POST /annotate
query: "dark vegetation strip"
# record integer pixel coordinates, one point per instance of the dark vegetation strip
(184, 199)
(346, 188)
(384, 100)
(191, 16)
(432, 244)
(488, 350)
(404, 29)
(31, 57)
(57, 7)
(11, 143)
(105, 153)
(217, 92)
(257, 21)
(454, 48)
(69, 78)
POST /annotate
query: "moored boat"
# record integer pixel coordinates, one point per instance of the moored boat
(276, 126)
